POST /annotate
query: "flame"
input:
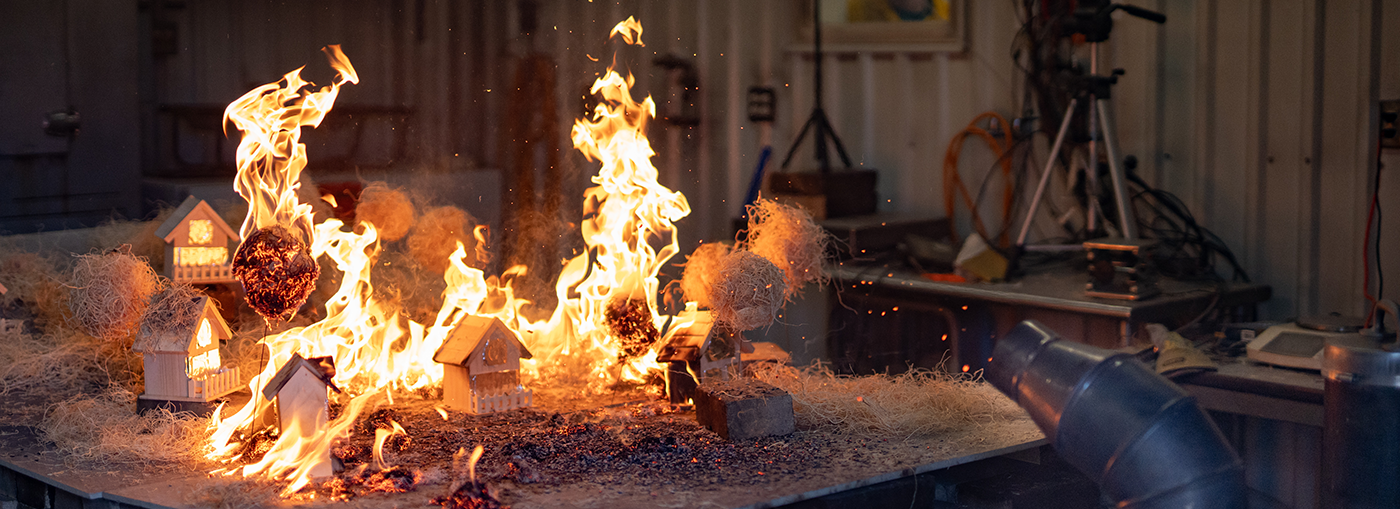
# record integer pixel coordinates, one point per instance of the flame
(628, 229)
(631, 31)
(382, 435)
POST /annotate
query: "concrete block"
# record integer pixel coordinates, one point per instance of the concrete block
(758, 410)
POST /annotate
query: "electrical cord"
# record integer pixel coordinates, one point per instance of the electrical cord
(953, 186)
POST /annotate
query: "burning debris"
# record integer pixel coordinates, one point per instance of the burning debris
(630, 321)
(277, 271)
(466, 492)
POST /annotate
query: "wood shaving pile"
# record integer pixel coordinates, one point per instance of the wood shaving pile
(389, 210)
(917, 403)
(747, 292)
(788, 237)
(101, 430)
(109, 293)
(434, 238)
(701, 269)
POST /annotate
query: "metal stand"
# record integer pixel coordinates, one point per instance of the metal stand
(1095, 24)
(818, 120)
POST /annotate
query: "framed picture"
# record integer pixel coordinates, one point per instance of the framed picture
(887, 25)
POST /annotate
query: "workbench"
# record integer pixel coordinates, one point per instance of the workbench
(37, 476)
(974, 314)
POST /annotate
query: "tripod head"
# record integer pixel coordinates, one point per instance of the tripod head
(1094, 18)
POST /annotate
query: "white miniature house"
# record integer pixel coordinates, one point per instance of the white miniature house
(698, 352)
(302, 388)
(196, 244)
(182, 361)
(481, 367)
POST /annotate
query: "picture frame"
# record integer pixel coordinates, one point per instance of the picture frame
(885, 25)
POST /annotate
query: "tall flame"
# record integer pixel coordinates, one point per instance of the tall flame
(628, 229)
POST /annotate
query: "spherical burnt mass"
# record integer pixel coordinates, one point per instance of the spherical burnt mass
(277, 272)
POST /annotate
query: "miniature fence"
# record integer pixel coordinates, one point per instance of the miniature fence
(203, 274)
(216, 384)
(489, 404)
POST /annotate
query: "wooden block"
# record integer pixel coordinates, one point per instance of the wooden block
(756, 410)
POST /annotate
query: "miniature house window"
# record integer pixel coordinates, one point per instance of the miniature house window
(197, 240)
(207, 361)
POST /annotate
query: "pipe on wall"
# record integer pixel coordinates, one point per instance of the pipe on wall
(1143, 439)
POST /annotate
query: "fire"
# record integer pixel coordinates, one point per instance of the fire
(628, 229)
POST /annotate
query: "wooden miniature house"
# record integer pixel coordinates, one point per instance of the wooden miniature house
(182, 361)
(481, 367)
(302, 388)
(197, 244)
(698, 352)
(8, 326)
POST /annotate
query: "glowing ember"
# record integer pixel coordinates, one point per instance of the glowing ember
(277, 272)
(630, 322)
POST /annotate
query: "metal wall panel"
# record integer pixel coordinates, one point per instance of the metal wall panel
(1257, 113)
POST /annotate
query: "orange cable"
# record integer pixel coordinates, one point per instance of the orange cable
(952, 181)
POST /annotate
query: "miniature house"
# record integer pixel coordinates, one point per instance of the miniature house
(481, 367)
(182, 361)
(302, 389)
(196, 244)
(698, 352)
(8, 326)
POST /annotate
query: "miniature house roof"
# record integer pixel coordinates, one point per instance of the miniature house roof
(687, 343)
(182, 336)
(192, 208)
(467, 338)
(322, 367)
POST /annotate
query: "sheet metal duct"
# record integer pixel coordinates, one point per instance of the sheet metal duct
(1361, 404)
(1142, 438)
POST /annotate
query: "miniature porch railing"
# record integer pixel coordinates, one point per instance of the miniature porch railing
(217, 383)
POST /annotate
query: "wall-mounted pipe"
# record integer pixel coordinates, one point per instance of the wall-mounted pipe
(1141, 437)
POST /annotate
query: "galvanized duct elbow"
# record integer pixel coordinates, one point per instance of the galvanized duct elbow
(1142, 438)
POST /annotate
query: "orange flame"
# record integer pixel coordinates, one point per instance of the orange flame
(628, 228)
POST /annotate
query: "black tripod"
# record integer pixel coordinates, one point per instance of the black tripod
(818, 121)
(1095, 23)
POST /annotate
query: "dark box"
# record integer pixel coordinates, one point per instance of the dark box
(848, 192)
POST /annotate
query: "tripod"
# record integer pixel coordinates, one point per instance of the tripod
(1096, 89)
(818, 120)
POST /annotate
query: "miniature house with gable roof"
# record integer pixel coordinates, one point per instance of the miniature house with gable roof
(481, 367)
(698, 352)
(196, 244)
(302, 389)
(181, 360)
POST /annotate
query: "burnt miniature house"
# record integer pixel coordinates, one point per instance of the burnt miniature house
(302, 388)
(197, 244)
(181, 360)
(698, 352)
(481, 367)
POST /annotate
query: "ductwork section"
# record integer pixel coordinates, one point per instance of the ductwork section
(1142, 438)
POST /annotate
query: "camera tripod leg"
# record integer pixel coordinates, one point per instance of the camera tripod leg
(1126, 218)
(1045, 175)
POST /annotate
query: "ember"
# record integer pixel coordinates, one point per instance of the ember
(277, 272)
(630, 322)
(472, 495)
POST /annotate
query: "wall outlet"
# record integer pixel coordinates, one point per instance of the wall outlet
(1390, 124)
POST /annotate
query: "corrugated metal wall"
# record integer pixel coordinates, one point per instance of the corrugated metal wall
(1257, 113)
